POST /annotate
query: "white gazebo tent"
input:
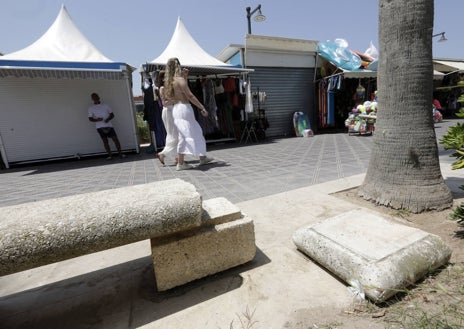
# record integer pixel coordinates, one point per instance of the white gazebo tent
(45, 93)
(190, 54)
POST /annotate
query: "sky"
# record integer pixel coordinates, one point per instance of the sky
(137, 31)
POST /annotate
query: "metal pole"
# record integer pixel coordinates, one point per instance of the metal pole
(249, 14)
(248, 9)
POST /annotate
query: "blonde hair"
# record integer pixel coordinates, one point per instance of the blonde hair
(173, 70)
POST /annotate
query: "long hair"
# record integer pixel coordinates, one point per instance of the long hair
(172, 70)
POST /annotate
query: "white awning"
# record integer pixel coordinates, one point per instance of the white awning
(437, 75)
(359, 74)
(448, 66)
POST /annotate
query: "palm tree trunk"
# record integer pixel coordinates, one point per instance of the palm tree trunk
(404, 169)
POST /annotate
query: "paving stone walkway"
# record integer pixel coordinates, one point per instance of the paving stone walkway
(241, 172)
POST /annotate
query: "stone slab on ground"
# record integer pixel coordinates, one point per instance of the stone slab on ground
(378, 256)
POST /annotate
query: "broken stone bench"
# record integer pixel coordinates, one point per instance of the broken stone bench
(190, 238)
(376, 256)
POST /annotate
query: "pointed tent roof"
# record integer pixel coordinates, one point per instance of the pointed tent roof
(190, 54)
(63, 41)
(186, 49)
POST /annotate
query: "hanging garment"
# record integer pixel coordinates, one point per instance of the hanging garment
(152, 114)
(224, 102)
(323, 91)
(209, 124)
(148, 104)
(218, 87)
(249, 99)
(360, 92)
(228, 121)
(330, 108)
(229, 85)
(339, 84)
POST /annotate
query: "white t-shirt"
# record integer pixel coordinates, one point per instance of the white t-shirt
(103, 111)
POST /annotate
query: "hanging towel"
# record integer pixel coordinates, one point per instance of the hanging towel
(249, 99)
(331, 108)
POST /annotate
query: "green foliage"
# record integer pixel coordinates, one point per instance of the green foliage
(460, 114)
(142, 128)
(454, 140)
(458, 213)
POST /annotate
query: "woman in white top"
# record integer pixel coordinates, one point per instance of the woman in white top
(191, 139)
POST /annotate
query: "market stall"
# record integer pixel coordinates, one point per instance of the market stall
(45, 93)
(346, 80)
(218, 85)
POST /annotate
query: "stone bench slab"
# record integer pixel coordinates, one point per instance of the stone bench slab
(218, 211)
(48, 231)
(363, 248)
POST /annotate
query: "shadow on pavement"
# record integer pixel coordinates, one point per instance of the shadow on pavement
(105, 296)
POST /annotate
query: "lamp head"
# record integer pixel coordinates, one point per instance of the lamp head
(260, 17)
(442, 38)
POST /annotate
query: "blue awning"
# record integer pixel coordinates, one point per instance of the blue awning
(29, 64)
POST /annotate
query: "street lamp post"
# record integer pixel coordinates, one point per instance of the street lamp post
(442, 38)
(258, 18)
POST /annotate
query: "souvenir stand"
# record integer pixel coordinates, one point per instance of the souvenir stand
(346, 79)
(361, 124)
(361, 120)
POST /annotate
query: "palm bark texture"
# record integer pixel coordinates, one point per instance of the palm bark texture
(404, 169)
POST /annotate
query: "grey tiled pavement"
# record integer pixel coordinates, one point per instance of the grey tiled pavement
(241, 172)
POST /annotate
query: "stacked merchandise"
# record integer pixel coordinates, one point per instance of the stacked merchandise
(361, 120)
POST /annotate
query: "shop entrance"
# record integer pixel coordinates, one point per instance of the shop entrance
(338, 96)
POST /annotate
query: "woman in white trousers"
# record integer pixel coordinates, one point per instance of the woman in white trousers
(191, 139)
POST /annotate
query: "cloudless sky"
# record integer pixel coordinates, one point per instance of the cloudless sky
(138, 31)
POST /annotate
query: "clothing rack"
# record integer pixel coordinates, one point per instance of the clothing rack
(249, 131)
(250, 127)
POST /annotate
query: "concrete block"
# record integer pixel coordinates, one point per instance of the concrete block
(364, 249)
(179, 259)
(48, 231)
(219, 210)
